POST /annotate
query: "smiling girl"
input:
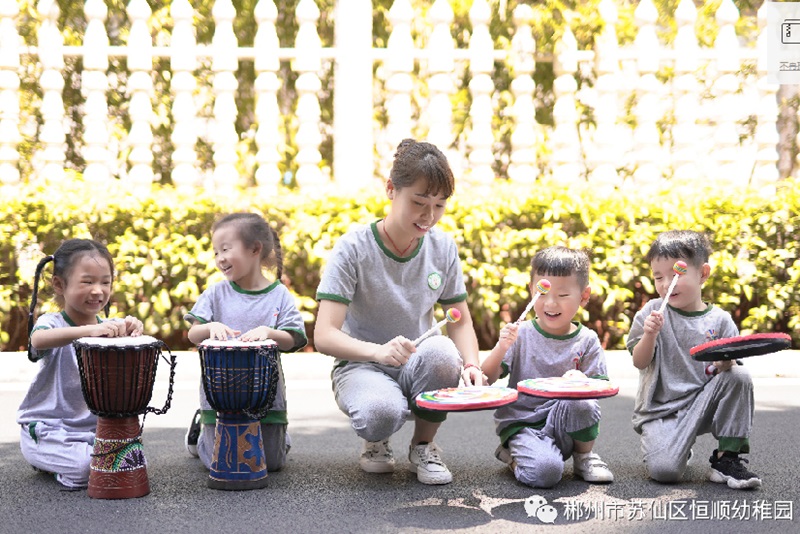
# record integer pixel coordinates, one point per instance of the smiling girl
(249, 306)
(58, 430)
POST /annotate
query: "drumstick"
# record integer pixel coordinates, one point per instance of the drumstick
(452, 316)
(680, 269)
(542, 287)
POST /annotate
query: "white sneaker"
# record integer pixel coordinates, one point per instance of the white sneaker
(591, 468)
(377, 457)
(428, 465)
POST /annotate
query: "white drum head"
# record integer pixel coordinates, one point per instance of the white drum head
(236, 343)
(127, 341)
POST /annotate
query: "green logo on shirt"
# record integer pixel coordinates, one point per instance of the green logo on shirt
(434, 281)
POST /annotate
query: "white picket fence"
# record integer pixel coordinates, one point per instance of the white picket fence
(645, 127)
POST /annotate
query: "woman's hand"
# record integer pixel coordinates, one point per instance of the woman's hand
(396, 352)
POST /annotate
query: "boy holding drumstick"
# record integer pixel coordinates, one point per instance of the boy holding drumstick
(679, 398)
(537, 434)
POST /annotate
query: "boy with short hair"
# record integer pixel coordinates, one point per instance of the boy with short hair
(537, 435)
(680, 398)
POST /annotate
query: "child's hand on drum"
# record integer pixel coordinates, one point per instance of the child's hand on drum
(133, 326)
(508, 335)
(112, 328)
(654, 322)
(396, 352)
(221, 332)
(257, 334)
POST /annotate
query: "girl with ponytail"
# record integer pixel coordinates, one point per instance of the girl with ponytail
(57, 428)
(249, 306)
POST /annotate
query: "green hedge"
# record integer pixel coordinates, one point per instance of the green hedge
(161, 244)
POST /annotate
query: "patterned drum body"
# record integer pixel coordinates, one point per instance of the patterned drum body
(240, 380)
(117, 377)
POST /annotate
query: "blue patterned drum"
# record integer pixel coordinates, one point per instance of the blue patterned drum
(240, 380)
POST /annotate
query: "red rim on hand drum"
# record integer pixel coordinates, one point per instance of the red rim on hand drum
(732, 348)
(466, 399)
(117, 377)
(573, 387)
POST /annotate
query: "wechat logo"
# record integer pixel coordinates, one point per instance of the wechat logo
(536, 506)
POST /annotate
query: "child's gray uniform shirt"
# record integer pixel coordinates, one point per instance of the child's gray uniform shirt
(673, 379)
(389, 296)
(244, 310)
(55, 396)
(537, 354)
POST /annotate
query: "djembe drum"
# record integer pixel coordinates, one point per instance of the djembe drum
(117, 377)
(570, 386)
(733, 348)
(240, 380)
(466, 398)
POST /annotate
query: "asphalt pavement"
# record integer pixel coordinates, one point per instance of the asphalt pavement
(322, 489)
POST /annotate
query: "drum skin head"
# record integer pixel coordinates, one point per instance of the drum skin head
(466, 399)
(560, 387)
(733, 348)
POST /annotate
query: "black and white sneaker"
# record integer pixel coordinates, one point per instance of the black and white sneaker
(193, 434)
(728, 469)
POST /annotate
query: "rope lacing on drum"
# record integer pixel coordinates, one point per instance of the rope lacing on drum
(138, 438)
(272, 373)
(172, 362)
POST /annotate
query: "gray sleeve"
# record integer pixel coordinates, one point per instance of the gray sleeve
(340, 278)
(454, 289)
(45, 322)
(727, 328)
(507, 365)
(203, 310)
(290, 320)
(637, 329)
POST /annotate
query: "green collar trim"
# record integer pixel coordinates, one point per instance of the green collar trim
(551, 336)
(691, 314)
(72, 323)
(385, 249)
(264, 291)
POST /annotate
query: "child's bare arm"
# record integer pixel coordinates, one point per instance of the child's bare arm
(491, 365)
(644, 350)
(51, 338)
(199, 332)
(284, 339)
